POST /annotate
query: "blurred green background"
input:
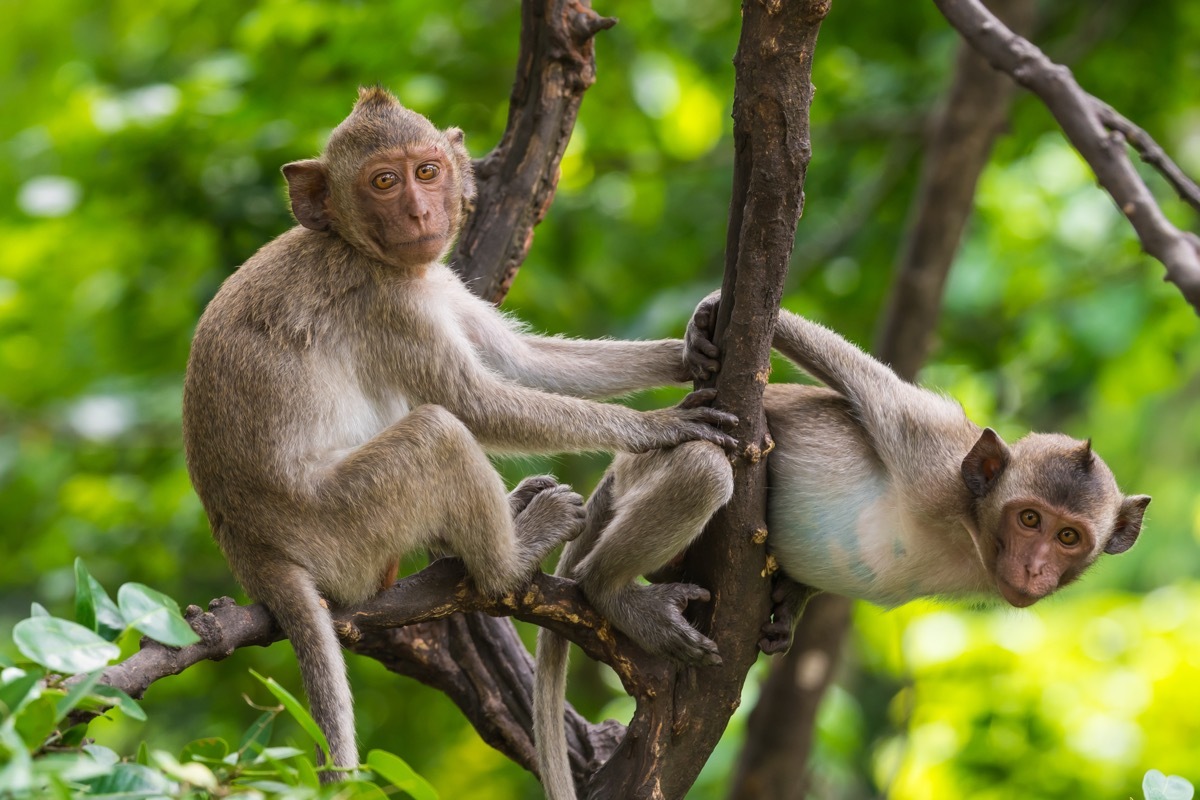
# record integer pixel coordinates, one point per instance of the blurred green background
(141, 143)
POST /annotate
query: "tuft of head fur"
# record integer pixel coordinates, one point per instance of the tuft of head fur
(378, 122)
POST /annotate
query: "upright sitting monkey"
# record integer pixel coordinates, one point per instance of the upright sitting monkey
(879, 490)
(344, 386)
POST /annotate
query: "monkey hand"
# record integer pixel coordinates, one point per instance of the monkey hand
(690, 421)
(700, 354)
(789, 599)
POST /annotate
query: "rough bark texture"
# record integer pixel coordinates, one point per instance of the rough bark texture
(555, 66)
(779, 738)
(674, 730)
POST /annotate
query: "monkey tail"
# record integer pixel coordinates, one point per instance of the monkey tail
(550, 676)
(297, 606)
(549, 704)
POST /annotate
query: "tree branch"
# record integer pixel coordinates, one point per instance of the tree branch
(484, 668)
(1083, 121)
(781, 730)
(673, 732)
(555, 66)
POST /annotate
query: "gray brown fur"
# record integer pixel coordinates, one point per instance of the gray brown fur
(879, 489)
(344, 388)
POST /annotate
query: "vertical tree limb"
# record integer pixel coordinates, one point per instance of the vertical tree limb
(516, 181)
(673, 732)
(781, 730)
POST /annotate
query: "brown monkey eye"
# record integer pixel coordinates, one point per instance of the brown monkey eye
(427, 172)
(1030, 518)
(384, 180)
(1069, 537)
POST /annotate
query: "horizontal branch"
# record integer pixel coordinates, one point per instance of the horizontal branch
(1087, 127)
(435, 593)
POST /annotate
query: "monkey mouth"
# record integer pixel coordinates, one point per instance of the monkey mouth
(1018, 598)
(433, 237)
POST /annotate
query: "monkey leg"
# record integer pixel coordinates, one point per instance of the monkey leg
(425, 480)
(662, 501)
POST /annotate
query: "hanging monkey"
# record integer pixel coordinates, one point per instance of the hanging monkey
(879, 490)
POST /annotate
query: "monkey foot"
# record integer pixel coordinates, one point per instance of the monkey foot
(518, 498)
(789, 600)
(653, 617)
(552, 515)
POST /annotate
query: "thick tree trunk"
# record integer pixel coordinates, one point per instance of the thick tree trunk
(674, 730)
(779, 739)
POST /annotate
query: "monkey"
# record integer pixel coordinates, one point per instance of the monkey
(878, 489)
(344, 387)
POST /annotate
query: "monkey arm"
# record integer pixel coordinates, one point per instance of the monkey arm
(592, 368)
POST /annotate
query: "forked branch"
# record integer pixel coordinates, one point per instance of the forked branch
(1098, 133)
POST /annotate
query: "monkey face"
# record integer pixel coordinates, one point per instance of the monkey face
(409, 201)
(1039, 547)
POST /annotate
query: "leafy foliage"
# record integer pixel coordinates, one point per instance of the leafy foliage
(45, 705)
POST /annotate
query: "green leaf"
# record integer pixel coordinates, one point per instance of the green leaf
(102, 755)
(62, 646)
(193, 772)
(17, 690)
(155, 614)
(211, 750)
(397, 772)
(307, 771)
(131, 781)
(113, 696)
(93, 607)
(256, 736)
(77, 692)
(74, 735)
(36, 721)
(143, 754)
(38, 610)
(298, 712)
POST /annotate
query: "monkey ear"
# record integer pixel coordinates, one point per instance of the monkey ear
(1084, 456)
(985, 463)
(463, 158)
(1129, 524)
(308, 188)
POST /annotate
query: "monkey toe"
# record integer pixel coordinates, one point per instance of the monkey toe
(520, 497)
(692, 648)
(553, 515)
(776, 638)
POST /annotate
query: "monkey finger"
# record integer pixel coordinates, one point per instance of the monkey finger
(721, 419)
(698, 398)
(699, 342)
(705, 366)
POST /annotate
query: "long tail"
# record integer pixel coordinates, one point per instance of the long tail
(550, 677)
(296, 605)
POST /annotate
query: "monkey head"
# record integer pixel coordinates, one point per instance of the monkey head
(388, 182)
(1044, 510)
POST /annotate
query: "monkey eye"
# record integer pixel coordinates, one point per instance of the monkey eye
(1069, 537)
(427, 172)
(1030, 518)
(384, 180)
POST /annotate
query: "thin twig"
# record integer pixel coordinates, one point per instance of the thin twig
(1081, 119)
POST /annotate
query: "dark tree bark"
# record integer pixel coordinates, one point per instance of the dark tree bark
(675, 729)
(555, 66)
(779, 738)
